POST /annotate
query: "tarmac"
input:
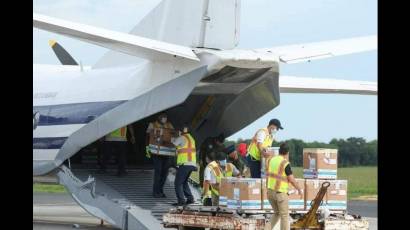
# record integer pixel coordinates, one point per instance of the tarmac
(60, 211)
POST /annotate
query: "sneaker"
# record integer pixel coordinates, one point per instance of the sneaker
(163, 195)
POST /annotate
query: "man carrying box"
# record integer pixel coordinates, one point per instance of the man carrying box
(160, 151)
(260, 142)
(279, 175)
(213, 174)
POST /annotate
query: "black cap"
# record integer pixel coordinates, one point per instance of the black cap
(220, 156)
(275, 122)
(229, 149)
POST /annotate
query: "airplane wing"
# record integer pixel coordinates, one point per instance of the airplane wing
(290, 84)
(121, 42)
(318, 50)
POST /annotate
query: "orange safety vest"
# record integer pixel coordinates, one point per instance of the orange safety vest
(117, 135)
(186, 153)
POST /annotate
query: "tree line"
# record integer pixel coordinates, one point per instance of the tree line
(353, 151)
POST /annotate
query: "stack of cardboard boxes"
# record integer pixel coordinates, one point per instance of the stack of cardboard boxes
(319, 165)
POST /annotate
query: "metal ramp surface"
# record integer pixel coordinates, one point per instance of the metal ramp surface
(135, 190)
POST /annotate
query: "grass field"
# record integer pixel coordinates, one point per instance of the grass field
(51, 188)
(362, 181)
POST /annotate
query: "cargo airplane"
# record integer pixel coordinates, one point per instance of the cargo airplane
(181, 58)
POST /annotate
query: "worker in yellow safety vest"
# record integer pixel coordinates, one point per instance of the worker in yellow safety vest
(186, 164)
(115, 143)
(213, 174)
(161, 162)
(279, 175)
(262, 140)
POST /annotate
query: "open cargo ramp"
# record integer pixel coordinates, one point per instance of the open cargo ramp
(125, 202)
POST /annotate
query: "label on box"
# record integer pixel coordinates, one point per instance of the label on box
(161, 150)
(342, 192)
(266, 204)
(250, 204)
(296, 204)
(327, 174)
(223, 200)
(330, 161)
(336, 205)
(309, 173)
(236, 193)
(256, 191)
(312, 163)
(232, 204)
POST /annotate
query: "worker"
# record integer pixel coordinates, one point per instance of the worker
(159, 151)
(209, 148)
(279, 175)
(234, 158)
(213, 174)
(186, 164)
(262, 139)
(115, 143)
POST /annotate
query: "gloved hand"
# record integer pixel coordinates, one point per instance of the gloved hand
(147, 152)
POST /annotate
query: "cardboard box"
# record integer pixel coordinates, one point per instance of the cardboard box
(246, 194)
(335, 197)
(319, 163)
(273, 151)
(226, 190)
(295, 201)
(160, 142)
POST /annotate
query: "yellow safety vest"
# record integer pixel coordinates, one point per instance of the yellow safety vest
(229, 169)
(118, 135)
(253, 148)
(276, 176)
(216, 170)
(218, 175)
(186, 153)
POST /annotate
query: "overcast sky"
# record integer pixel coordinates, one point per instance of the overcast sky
(264, 23)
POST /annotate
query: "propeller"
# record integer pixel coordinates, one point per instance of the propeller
(62, 55)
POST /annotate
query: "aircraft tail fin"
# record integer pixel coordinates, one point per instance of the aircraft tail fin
(200, 23)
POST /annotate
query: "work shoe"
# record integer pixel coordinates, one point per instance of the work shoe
(179, 204)
(190, 202)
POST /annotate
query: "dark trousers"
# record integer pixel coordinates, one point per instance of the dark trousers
(255, 167)
(114, 148)
(161, 166)
(181, 183)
